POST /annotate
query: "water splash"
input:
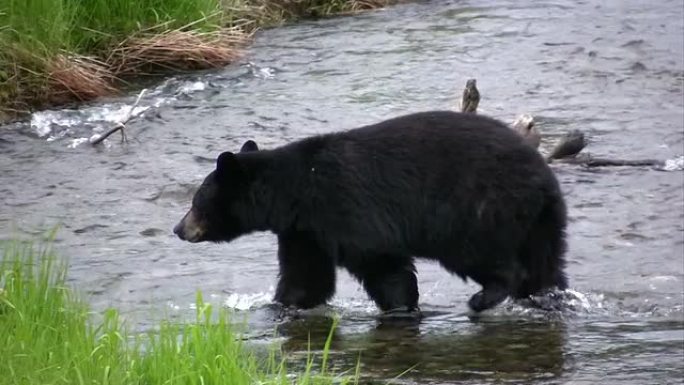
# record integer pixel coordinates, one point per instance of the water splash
(260, 72)
(674, 164)
(190, 87)
(77, 142)
(554, 303)
(54, 122)
(356, 305)
(240, 301)
(57, 124)
(559, 303)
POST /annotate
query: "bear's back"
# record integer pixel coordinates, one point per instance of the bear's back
(412, 176)
(438, 143)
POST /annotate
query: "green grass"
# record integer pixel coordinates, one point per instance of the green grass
(100, 23)
(33, 33)
(87, 26)
(48, 336)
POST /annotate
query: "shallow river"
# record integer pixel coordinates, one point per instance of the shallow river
(613, 69)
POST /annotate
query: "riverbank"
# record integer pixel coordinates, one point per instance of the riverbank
(60, 52)
(48, 336)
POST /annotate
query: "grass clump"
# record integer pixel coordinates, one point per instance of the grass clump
(56, 51)
(269, 13)
(48, 336)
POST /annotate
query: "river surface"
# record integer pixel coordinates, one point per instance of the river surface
(613, 69)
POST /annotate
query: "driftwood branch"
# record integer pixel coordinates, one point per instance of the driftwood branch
(569, 146)
(589, 161)
(120, 126)
(97, 139)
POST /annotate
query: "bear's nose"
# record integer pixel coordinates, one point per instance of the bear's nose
(178, 230)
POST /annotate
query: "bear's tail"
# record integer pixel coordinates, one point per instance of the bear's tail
(542, 255)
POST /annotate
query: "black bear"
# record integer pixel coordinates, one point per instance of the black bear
(462, 189)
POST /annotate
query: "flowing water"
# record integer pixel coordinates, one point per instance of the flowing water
(613, 69)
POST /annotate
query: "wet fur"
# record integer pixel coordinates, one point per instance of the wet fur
(461, 189)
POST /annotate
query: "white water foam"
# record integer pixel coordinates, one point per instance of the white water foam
(356, 305)
(190, 87)
(556, 303)
(566, 300)
(235, 301)
(49, 122)
(261, 72)
(56, 124)
(77, 142)
(674, 164)
(248, 301)
(566, 303)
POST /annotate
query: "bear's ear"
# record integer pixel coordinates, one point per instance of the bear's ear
(227, 164)
(249, 146)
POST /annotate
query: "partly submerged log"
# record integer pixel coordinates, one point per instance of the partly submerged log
(568, 148)
(590, 161)
(525, 126)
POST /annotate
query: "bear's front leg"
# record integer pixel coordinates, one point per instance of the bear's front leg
(390, 280)
(307, 272)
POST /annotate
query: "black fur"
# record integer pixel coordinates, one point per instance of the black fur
(462, 189)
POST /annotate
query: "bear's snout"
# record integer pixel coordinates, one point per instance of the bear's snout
(188, 229)
(178, 230)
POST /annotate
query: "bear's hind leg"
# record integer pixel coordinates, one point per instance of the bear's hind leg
(496, 280)
(389, 280)
(496, 285)
(307, 272)
(490, 296)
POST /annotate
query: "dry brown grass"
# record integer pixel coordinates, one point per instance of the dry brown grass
(78, 77)
(31, 80)
(176, 50)
(65, 77)
(53, 80)
(268, 13)
(365, 5)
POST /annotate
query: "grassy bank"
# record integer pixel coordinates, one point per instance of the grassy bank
(58, 51)
(48, 336)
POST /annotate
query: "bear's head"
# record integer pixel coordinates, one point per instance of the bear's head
(220, 207)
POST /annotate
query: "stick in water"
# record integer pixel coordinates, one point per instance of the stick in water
(97, 139)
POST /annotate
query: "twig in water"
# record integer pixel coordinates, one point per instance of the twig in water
(589, 161)
(97, 139)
